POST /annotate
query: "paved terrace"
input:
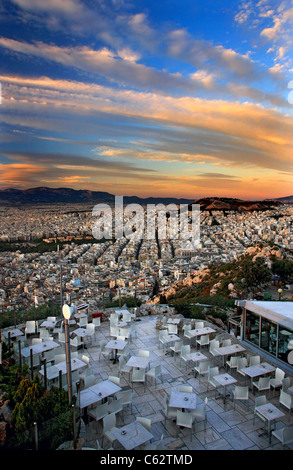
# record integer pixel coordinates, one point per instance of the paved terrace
(227, 429)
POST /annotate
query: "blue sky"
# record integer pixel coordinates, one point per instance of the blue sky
(172, 98)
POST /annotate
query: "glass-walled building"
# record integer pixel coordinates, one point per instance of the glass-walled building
(269, 327)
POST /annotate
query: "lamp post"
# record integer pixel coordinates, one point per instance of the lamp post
(280, 293)
(67, 311)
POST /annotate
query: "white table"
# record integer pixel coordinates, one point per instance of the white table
(52, 372)
(138, 361)
(201, 331)
(117, 345)
(13, 333)
(97, 392)
(197, 357)
(171, 338)
(82, 332)
(173, 321)
(132, 435)
(270, 413)
(184, 400)
(224, 380)
(229, 350)
(48, 324)
(39, 348)
(258, 370)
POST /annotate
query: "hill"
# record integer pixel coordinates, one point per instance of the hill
(230, 204)
(44, 195)
(283, 200)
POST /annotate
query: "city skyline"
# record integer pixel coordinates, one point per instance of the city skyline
(173, 99)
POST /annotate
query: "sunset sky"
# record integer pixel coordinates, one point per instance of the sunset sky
(173, 98)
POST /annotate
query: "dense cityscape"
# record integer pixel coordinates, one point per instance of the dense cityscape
(98, 271)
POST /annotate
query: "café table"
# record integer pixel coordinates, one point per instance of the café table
(132, 435)
(270, 413)
(48, 324)
(12, 333)
(117, 345)
(183, 400)
(197, 332)
(224, 380)
(173, 321)
(229, 351)
(257, 371)
(197, 356)
(82, 332)
(97, 392)
(39, 348)
(52, 372)
(171, 338)
(140, 362)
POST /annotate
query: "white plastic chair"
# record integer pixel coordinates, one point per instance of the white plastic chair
(185, 420)
(116, 406)
(240, 393)
(163, 338)
(200, 412)
(185, 388)
(126, 397)
(276, 382)
(89, 381)
(284, 435)
(286, 384)
(115, 380)
(214, 345)
(172, 329)
(286, 400)
(138, 376)
(154, 373)
(103, 351)
(262, 384)
(241, 364)
(169, 411)
(213, 372)
(146, 422)
(97, 321)
(123, 368)
(254, 360)
(232, 362)
(226, 342)
(184, 356)
(176, 348)
(109, 424)
(260, 400)
(204, 340)
(198, 325)
(202, 368)
(99, 412)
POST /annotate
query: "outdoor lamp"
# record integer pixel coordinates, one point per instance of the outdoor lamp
(67, 312)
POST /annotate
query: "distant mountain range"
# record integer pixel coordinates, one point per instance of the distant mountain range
(45, 195)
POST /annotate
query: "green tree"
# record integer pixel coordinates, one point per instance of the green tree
(283, 268)
(253, 275)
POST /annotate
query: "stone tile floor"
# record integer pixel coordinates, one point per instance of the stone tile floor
(227, 429)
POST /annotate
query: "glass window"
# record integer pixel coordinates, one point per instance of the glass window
(252, 328)
(285, 343)
(268, 339)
